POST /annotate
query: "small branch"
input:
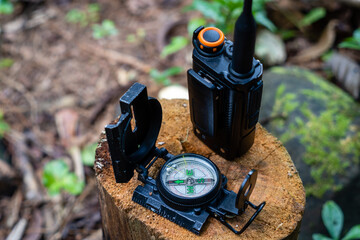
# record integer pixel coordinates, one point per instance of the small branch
(118, 57)
(69, 211)
(18, 230)
(22, 162)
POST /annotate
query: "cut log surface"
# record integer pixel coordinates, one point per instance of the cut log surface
(278, 184)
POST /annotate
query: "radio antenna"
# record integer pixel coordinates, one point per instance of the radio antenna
(244, 40)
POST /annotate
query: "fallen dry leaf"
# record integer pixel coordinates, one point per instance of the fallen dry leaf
(325, 42)
(66, 124)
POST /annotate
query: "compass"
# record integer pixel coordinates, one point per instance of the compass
(189, 188)
(189, 179)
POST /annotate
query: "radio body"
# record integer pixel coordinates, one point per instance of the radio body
(224, 104)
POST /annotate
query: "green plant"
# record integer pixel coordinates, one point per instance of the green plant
(76, 16)
(93, 11)
(84, 17)
(163, 77)
(333, 219)
(225, 12)
(88, 154)
(284, 105)
(4, 127)
(331, 143)
(106, 28)
(139, 36)
(179, 42)
(6, 63)
(57, 177)
(6, 7)
(176, 44)
(313, 16)
(352, 42)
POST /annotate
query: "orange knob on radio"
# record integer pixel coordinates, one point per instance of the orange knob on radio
(211, 39)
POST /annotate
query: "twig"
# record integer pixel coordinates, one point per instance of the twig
(21, 161)
(75, 154)
(15, 206)
(18, 230)
(68, 212)
(325, 42)
(116, 56)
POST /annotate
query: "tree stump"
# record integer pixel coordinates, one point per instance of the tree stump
(278, 184)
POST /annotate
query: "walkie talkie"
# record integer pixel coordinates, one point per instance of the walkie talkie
(225, 86)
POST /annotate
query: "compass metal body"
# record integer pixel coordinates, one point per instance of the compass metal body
(189, 187)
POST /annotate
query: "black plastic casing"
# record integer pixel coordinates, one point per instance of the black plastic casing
(224, 105)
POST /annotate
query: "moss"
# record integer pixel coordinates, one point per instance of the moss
(332, 143)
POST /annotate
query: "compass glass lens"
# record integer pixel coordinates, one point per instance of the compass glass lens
(189, 176)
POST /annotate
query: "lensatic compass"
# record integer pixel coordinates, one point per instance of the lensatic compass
(189, 187)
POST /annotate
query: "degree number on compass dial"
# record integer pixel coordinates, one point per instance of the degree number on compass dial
(189, 176)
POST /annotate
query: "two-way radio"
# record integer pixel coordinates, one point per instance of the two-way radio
(225, 86)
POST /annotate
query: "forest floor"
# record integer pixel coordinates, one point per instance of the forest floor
(62, 87)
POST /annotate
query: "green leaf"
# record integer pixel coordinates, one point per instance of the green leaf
(326, 56)
(76, 16)
(194, 24)
(56, 176)
(210, 10)
(287, 34)
(313, 16)
(93, 12)
(4, 127)
(261, 18)
(163, 77)
(318, 236)
(350, 44)
(6, 7)
(88, 154)
(159, 77)
(357, 35)
(172, 71)
(354, 233)
(107, 28)
(93, 7)
(333, 218)
(6, 62)
(176, 44)
(72, 185)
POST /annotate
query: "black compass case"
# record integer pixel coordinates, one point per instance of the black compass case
(132, 147)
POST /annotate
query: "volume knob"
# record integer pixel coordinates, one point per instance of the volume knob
(211, 39)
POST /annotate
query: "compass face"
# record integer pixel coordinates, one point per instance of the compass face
(189, 176)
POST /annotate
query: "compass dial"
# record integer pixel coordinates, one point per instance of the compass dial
(189, 176)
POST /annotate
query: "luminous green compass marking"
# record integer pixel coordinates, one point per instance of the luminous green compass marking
(190, 189)
(200, 180)
(179, 181)
(189, 172)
